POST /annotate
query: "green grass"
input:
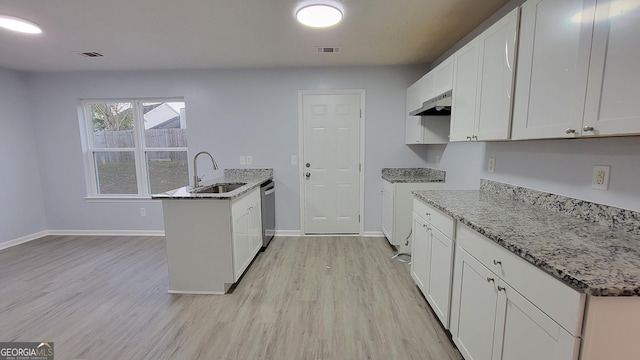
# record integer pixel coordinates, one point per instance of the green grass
(120, 177)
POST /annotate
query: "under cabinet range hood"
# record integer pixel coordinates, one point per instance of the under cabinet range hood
(438, 105)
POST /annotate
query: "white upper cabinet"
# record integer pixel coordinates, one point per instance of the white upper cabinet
(463, 103)
(553, 64)
(496, 63)
(428, 87)
(413, 126)
(614, 76)
(443, 77)
(483, 83)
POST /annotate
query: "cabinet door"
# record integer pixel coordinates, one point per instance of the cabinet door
(413, 125)
(553, 61)
(428, 87)
(465, 81)
(440, 270)
(387, 215)
(614, 76)
(524, 332)
(241, 243)
(473, 307)
(420, 253)
(443, 76)
(255, 228)
(496, 48)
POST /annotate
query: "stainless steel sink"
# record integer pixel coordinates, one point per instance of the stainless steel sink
(218, 188)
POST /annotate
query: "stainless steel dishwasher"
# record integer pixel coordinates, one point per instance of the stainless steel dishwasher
(268, 193)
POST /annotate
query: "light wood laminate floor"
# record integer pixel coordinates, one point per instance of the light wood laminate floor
(304, 298)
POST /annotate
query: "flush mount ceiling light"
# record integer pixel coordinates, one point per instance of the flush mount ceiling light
(19, 25)
(319, 14)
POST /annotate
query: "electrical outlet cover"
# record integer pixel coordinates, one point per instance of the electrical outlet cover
(600, 178)
(491, 165)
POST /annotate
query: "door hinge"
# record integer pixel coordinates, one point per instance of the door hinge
(360, 167)
(358, 218)
(360, 113)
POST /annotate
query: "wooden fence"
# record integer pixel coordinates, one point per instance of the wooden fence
(153, 138)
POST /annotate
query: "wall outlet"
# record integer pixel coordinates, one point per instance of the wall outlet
(249, 160)
(600, 178)
(143, 211)
(491, 167)
(294, 160)
(243, 160)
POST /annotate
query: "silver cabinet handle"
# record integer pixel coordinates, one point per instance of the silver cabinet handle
(496, 262)
(475, 137)
(587, 128)
(500, 288)
(570, 131)
(468, 137)
(490, 279)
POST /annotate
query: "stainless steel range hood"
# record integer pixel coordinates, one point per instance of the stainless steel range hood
(439, 105)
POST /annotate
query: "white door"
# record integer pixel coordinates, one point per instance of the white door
(331, 163)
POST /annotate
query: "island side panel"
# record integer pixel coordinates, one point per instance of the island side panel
(199, 247)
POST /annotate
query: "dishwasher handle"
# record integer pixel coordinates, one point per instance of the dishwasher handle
(269, 188)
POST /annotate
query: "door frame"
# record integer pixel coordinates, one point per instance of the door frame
(302, 93)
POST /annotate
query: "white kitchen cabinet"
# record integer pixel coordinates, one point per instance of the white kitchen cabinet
(505, 308)
(413, 124)
(443, 77)
(211, 242)
(432, 257)
(465, 87)
(397, 205)
(612, 106)
(496, 64)
(553, 65)
(428, 86)
(246, 230)
(483, 83)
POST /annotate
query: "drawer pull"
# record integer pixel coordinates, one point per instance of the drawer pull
(490, 279)
(496, 262)
(500, 288)
(428, 214)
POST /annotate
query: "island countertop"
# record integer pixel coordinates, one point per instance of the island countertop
(252, 178)
(593, 258)
(413, 175)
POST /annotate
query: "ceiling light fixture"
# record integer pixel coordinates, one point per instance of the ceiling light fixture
(319, 15)
(19, 25)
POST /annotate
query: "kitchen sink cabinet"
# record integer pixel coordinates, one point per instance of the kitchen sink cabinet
(211, 242)
(432, 257)
(505, 308)
(483, 83)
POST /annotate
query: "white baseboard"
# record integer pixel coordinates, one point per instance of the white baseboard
(107, 232)
(285, 233)
(176, 292)
(376, 234)
(22, 240)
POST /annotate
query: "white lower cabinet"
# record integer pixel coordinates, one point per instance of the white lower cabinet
(491, 317)
(246, 230)
(432, 258)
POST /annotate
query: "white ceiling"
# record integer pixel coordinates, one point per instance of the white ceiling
(200, 34)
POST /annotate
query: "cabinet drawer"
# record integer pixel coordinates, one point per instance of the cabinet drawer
(241, 204)
(560, 302)
(437, 218)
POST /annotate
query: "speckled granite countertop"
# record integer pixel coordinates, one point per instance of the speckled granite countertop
(593, 258)
(413, 175)
(253, 178)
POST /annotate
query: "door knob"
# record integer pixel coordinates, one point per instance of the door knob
(308, 165)
(308, 175)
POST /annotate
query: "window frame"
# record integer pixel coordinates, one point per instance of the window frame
(140, 150)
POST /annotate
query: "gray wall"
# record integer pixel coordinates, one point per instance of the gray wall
(229, 113)
(22, 206)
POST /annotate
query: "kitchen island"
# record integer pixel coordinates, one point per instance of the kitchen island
(212, 237)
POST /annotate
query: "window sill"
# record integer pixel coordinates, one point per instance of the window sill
(121, 199)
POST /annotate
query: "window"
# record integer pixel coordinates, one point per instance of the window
(135, 148)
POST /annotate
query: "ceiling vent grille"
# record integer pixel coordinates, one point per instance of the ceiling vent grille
(327, 50)
(91, 54)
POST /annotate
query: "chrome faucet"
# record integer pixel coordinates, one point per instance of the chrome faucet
(196, 179)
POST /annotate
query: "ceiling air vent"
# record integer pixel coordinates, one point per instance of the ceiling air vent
(327, 50)
(90, 54)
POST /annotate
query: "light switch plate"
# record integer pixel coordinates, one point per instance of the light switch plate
(600, 178)
(243, 160)
(249, 160)
(294, 160)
